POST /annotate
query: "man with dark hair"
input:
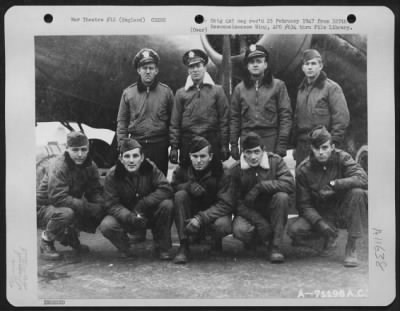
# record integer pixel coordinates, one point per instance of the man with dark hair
(261, 185)
(331, 192)
(200, 109)
(260, 104)
(137, 194)
(145, 110)
(320, 101)
(69, 198)
(202, 198)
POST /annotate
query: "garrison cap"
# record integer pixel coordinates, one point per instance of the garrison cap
(77, 139)
(195, 56)
(145, 56)
(255, 50)
(310, 54)
(129, 144)
(319, 135)
(198, 143)
(252, 140)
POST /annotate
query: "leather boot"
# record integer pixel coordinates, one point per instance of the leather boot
(160, 253)
(329, 247)
(182, 256)
(351, 259)
(48, 251)
(77, 246)
(124, 248)
(276, 255)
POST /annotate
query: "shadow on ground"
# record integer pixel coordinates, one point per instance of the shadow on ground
(234, 273)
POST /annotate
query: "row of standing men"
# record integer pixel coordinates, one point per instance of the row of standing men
(151, 114)
(256, 189)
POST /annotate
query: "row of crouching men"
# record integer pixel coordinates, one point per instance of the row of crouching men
(249, 200)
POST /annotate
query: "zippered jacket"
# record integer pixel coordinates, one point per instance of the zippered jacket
(145, 112)
(200, 112)
(322, 103)
(261, 107)
(312, 176)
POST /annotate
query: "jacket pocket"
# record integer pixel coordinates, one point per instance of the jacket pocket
(163, 113)
(321, 111)
(245, 109)
(270, 112)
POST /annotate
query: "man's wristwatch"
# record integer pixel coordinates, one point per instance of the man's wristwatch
(332, 183)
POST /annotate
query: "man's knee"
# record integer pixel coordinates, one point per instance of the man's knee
(181, 196)
(108, 225)
(167, 206)
(358, 192)
(223, 226)
(299, 226)
(281, 197)
(242, 229)
(356, 198)
(64, 214)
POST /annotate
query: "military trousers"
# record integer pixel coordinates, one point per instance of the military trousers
(159, 221)
(350, 213)
(61, 222)
(267, 220)
(186, 207)
(158, 153)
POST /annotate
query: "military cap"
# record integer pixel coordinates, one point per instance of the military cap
(198, 143)
(195, 56)
(251, 140)
(145, 56)
(255, 50)
(77, 139)
(128, 144)
(319, 135)
(310, 54)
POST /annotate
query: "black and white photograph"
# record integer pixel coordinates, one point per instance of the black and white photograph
(227, 164)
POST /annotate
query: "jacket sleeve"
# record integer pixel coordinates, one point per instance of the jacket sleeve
(304, 199)
(354, 175)
(179, 180)
(223, 205)
(170, 105)
(285, 117)
(58, 191)
(163, 189)
(94, 191)
(123, 118)
(42, 197)
(235, 123)
(176, 121)
(112, 202)
(340, 116)
(283, 182)
(223, 116)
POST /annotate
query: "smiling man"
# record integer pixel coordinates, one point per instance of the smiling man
(260, 104)
(145, 110)
(261, 185)
(137, 195)
(202, 198)
(69, 198)
(320, 101)
(331, 192)
(200, 109)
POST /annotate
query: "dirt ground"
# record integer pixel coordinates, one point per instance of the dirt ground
(234, 273)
